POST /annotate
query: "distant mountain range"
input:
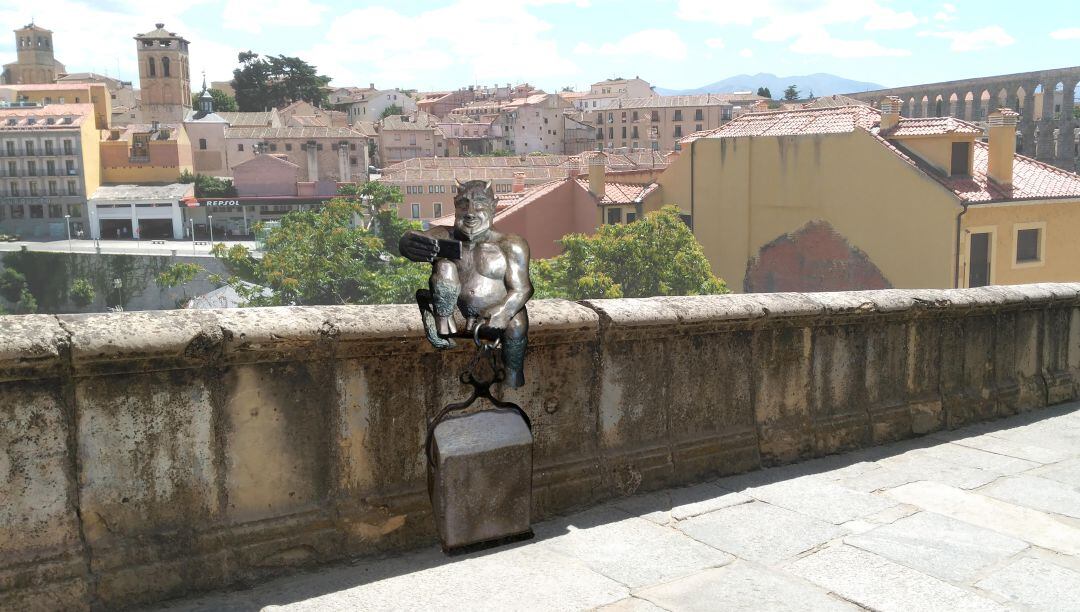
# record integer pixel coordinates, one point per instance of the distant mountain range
(821, 84)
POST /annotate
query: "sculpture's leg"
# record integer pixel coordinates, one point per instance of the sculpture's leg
(515, 341)
(445, 288)
(427, 315)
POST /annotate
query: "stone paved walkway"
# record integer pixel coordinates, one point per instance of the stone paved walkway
(985, 518)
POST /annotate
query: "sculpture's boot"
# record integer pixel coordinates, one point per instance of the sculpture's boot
(445, 294)
(514, 361)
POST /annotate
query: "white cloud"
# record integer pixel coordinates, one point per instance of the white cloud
(817, 41)
(714, 43)
(254, 15)
(946, 14)
(805, 24)
(1065, 34)
(391, 48)
(663, 44)
(746, 53)
(974, 40)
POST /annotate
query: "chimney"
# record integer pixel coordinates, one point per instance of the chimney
(597, 168)
(1002, 145)
(890, 112)
(519, 182)
(371, 85)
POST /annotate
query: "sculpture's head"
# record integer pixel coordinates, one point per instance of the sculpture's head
(474, 208)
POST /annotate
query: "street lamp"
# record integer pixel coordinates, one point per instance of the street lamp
(210, 222)
(191, 224)
(67, 223)
(118, 285)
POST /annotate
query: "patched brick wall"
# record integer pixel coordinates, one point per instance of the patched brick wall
(814, 258)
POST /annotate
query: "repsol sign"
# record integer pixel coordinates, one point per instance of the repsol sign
(221, 202)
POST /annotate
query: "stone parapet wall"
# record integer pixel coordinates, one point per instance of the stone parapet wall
(151, 454)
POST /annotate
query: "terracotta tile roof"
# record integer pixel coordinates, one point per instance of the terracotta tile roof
(682, 101)
(260, 119)
(1032, 180)
(834, 101)
(159, 32)
(418, 120)
(620, 193)
(63, 116)
(307, 121)
(291, 132)
(800, 122)
(126, 131)
(536, 167)
(931, 126)
(49, 86)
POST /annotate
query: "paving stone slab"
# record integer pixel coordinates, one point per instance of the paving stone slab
(879, 584)
(938, 545)
(634, 551)
(630, 604)
(824, 500)
(1065, 472)
(666, 507)
(760, 532)
(1039, 493)
(1037, 584)
(521, 578)
(1019, 450)
(1017, 521)
(915, 467)
(742, 586)
(983, 460)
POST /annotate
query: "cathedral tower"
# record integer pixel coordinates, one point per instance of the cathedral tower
(164, 82)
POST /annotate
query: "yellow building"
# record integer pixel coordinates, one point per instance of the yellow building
(145, 154)
(856, 198)
(64, 93)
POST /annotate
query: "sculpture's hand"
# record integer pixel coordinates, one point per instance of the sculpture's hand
(417, 246)
(498, 322)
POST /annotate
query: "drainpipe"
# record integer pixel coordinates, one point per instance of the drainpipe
(692, 219)
(956, 267)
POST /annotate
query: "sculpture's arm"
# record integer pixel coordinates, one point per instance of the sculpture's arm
(421, 246)
(518, 284)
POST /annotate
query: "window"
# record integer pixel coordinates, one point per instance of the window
(50, 167)
(678, 131)
(240, 147)
(48, 147)
(52, 188)
(678, 115)
(623, 116)
(288, 146)
(273, 147)
(151, 66)
(655, 116)
(611, 133)
(611, 117)
(633, 132)
(12, 168)
(503, 187)
(67, 147)
(353, 161)
(631, 217)
(1028, 243)
(10, 147)
(438, 209)
(33, 189)
(29, 147)
(698, 115)
(31, 168)
(697, 128)
(202, 144)
(56, 211)
(17, 211)
(69, 166)
(634, 116)
(37, 211)
(415, 211)
(352, 146)
(72, 189)
(165, 66)
(74, 210)
(961, 153)
(614, 216)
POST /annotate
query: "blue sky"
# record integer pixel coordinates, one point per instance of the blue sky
(553, 43)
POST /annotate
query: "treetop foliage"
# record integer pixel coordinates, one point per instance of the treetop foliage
(275, 81)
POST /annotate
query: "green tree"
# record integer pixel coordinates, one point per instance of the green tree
(393, 109)
(12, 283)
(791, 93)
(178, 275)
(268, 82)
(82, 292)
(324, 257)
(764, 92)
(208, 186)
(656, 255)
(223, 102)
(1076, 112)
(26, 304)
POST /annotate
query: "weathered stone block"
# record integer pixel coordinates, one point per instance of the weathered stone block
(481, 478)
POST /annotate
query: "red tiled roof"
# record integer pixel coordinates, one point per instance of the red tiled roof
(1032, 180)
(931, 126)
(799, 122)
(620, 193)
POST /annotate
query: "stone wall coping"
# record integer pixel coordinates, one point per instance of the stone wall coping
(183, 338)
